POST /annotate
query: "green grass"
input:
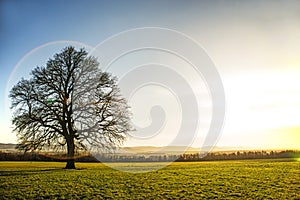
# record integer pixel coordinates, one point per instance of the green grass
(252, 179)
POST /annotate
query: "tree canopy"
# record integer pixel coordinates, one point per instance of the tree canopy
(69, 104)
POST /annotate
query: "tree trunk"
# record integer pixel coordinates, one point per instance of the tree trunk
(70, 164)
(71, 150)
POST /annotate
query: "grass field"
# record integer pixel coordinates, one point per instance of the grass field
(252, 179)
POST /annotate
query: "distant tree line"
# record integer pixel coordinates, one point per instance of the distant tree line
(34, 156)
(86, 157)
(240, 155)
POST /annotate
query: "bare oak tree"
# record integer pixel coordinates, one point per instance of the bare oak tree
(69, 104)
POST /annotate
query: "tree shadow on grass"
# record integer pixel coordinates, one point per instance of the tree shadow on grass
(28, 172)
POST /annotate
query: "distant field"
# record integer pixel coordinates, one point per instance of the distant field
(252, 179)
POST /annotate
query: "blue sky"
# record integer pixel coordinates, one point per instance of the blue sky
(255, 46)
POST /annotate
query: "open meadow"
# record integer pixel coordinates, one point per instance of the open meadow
(249, 179)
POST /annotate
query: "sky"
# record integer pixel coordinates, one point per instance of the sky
(254, 45)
